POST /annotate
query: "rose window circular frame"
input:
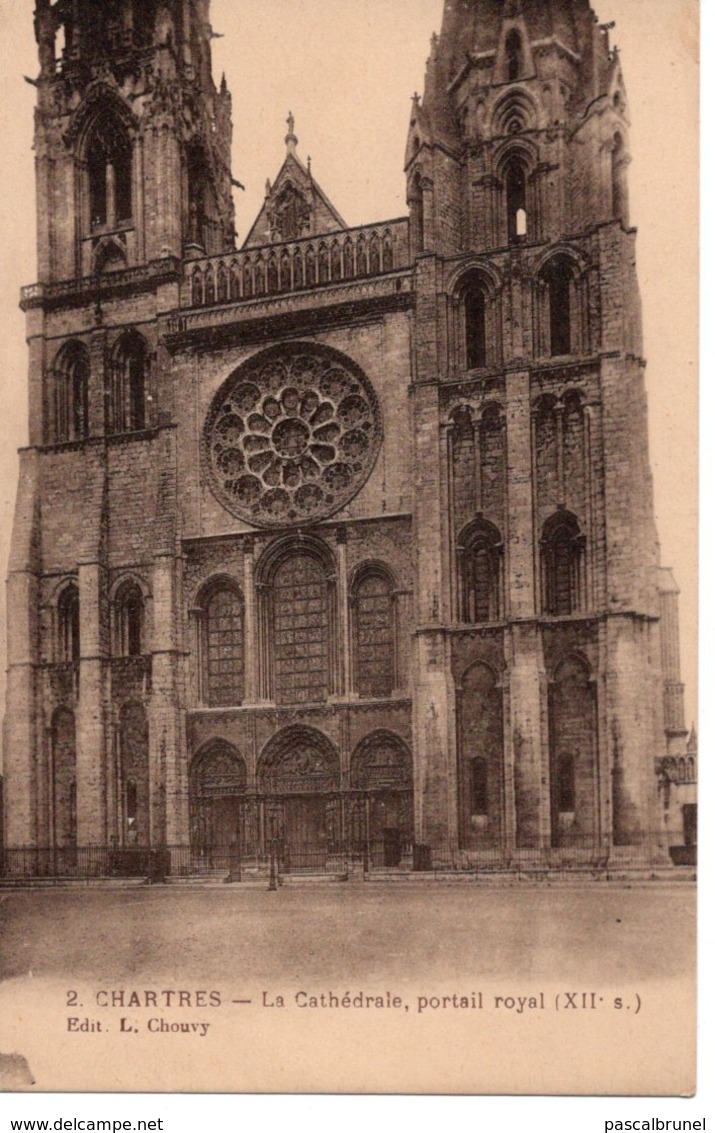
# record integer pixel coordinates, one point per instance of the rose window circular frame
(292, 436)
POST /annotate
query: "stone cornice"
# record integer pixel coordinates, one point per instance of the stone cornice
(93, 288)
(214, 328)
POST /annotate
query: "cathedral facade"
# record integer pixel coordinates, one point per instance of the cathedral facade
(345, 536)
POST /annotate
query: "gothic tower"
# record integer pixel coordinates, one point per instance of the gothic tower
(538, 620)
(132, 146)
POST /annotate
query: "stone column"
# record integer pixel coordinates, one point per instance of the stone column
(91, 710)
(433, 703)
(250, 636)
(526, 745)
(22, 728)
(98, 384)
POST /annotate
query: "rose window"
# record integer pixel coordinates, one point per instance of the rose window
(292, 438)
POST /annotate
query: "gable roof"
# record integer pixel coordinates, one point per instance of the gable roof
(295, 205)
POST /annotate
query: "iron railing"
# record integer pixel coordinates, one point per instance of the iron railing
(277, 859)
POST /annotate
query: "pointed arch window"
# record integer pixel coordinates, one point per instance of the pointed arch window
(302, 630)
(204, 229)
(480, 554)
(374, 633)
(297, 615)
(558, 276)
(513, 55)
(475, 326)
(128, 621)
(516, 203)
(128, 377)
(109, 173)
(71, 394)
(68, 624)
(221, 615)
(562, 551)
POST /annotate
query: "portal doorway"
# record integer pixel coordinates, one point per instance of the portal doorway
(381, 771)
(299, 786)
(217, 789)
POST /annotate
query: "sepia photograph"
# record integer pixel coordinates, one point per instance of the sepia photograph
(349, 517)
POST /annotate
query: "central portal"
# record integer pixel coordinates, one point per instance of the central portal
(299, 780)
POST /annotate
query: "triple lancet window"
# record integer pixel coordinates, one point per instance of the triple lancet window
(298, 657)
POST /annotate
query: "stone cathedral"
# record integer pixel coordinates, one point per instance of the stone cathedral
(337, 536)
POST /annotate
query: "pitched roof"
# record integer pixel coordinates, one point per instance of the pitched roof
(295, 205)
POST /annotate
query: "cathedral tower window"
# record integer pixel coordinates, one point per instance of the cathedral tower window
(221, 644)
(516, 203)
(71, 394)
(204, 225)
(68, 624)
(558, 276)
(416, 204)
(109, 172)
(374, 632)
(480, 555)
(513, 55)
(128, 621)
(562, 548)
(475, 326)
(128, 374)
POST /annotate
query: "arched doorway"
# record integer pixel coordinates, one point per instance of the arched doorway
(217, 791)
(381, 770)
(299, 786)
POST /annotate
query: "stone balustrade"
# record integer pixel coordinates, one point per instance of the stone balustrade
(276, 269)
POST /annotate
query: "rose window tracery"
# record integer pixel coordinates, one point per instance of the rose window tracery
(292, 437)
